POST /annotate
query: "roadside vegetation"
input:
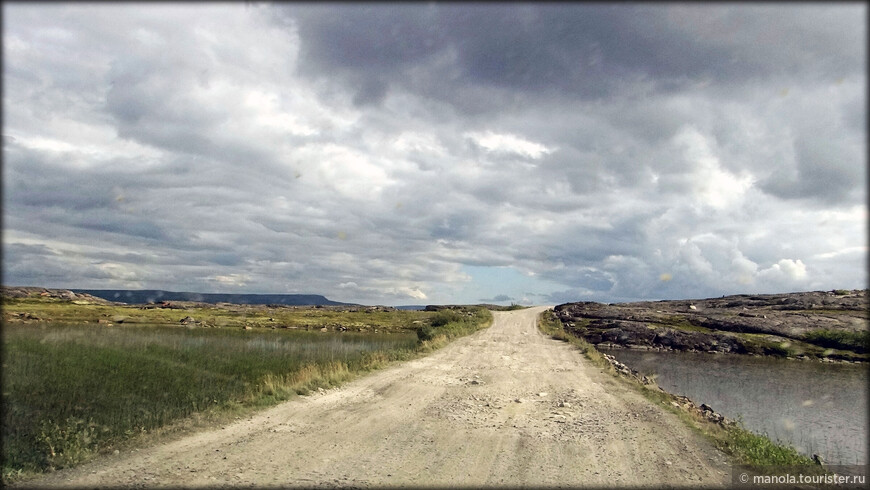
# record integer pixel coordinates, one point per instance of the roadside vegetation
(109, 377)
(742, 445)
(448, 324)
(840, 339)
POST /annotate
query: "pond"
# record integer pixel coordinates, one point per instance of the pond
(819, 408)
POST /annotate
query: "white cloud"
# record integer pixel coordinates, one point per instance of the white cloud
(710, 184)
(860, 251)
(412, 292)
(743, 269)
(691, 256)
(268, 115)
(786, 269)
(509, 143)
(380, 290)
(417, 142)
(231, 280)
(120, 275)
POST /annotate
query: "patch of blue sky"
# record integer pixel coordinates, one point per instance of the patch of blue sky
(504, 285)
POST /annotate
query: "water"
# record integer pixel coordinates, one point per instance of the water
(819, 408)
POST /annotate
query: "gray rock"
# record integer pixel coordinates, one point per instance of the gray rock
(784, 317)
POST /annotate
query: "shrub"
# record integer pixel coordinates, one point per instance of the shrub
(426, 332)
(454, 323)
(778, 349)
(444, 317)
(67, 443)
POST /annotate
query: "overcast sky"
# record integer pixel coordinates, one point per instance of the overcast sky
(436, 153)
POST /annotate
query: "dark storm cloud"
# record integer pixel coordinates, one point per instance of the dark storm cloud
(372, 92)
(589, 51)
(32, 179)
(114, 224)
(826, 153)
(90, 200)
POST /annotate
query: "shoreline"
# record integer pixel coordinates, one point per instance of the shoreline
(663, 349)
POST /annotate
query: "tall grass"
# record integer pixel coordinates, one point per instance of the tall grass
(69, 390)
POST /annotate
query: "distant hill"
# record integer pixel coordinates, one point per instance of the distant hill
(411, 307)
(144, 296)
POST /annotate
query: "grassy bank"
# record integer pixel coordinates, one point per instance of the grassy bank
(743, 446)
(72, 390)
(839, 339)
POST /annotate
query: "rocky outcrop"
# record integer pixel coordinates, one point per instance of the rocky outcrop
(811, 324)
(62, 294)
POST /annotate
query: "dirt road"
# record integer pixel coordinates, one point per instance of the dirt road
(505, 406)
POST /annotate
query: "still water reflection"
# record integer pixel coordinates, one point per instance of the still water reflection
(818, 408)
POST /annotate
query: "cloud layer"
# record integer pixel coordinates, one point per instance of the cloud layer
(377, 154)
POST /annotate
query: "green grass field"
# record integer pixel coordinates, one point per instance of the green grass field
(71, 390)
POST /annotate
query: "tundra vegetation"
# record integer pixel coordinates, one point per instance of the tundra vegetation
(742, 445)
(83, 379)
